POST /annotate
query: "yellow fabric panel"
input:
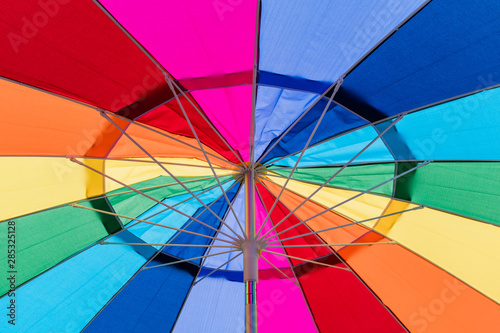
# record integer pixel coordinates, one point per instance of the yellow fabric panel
(384, 224)
(466, 248)
(130, 172)
(361, 208)
(29, 184)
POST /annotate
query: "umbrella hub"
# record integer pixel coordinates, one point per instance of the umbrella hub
(251, 249)
(258, 169)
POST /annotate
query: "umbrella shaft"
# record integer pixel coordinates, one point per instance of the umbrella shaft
(251, 307)
(250, 253)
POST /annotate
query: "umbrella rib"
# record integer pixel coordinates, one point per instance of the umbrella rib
(339, 171)
(323, 245)
(306, 260)
(279, 270)
(165, 135)
(167, 78)
(169, 81)
(147, 188)
(149, 197)
(165, 169)
(168, 163)
(184, 260)
(350, 199)
(267, 212)
(346, 225)
(293, 124)
(166, 244)
(218, 268)
(337, 86)
(147, 54)
(149, 222)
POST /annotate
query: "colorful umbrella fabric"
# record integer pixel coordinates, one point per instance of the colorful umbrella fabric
(243, 165)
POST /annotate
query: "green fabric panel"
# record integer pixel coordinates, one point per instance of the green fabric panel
(133, 204)
(110, 222)
(45, 238)
(404, 183)
(356, 177)
(468, 188)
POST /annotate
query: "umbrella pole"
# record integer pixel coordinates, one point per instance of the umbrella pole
(250, 254)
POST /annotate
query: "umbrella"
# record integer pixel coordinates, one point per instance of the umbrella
(234, 165)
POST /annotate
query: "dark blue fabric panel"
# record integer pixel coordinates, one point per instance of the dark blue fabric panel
(336, 120)
(149, 303)
(219, 207)
(448, 49)
(160, 292)
(289, 82)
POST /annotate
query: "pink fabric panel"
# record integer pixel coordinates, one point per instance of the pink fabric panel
(278, 261)
(282, 308)
(229, 110)
(192, 38)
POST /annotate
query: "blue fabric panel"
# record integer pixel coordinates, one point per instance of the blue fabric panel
(336, 120)
(276, 109)
(320, 40)
(66, 298)
(218, 260)
(214, 305)
(340, 150)
(149, 303)
(448, 49)
(289, 82)
(466, 129)
(219, 207)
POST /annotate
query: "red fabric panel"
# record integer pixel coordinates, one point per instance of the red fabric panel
(338, 300)
(73, 48)
(341, 303)
(279, 212)
(171, 118)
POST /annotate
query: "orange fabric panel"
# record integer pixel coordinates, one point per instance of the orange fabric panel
(323, 221)
(39, 123)
(161, 146)
(423, 296)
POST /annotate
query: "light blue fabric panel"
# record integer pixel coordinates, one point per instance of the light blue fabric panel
(215, 305)
(66, 298)
(275, 111)
(340, 150)
(320, 40)
(466, 128)
(156, 234)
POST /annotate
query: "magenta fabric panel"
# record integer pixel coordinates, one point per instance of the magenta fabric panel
(229, 109)
(192, 38)
(276, 260)
(278, 299)
(72, 48)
